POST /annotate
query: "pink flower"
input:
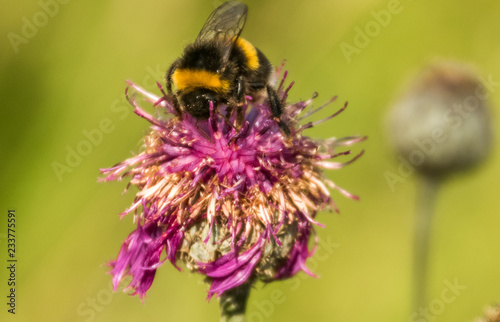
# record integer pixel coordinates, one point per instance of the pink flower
(234, 204)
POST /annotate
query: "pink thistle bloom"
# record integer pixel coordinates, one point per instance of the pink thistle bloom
(236, 205)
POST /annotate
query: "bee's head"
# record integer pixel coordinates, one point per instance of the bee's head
(197, 102)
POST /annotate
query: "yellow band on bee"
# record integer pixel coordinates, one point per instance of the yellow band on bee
(190, 79)
(250, 53)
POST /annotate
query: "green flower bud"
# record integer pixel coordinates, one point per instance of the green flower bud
(442, 123)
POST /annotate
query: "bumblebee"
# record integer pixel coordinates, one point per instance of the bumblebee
(220, 67)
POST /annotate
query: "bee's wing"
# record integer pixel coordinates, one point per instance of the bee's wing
(224, 25)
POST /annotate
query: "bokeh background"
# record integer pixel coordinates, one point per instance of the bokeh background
(65, 76)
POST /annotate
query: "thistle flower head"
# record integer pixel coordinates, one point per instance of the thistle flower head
(233, 204)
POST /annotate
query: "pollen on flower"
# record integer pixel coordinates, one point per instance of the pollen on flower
(236, 205)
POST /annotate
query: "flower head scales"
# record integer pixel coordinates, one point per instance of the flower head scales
(233, 204)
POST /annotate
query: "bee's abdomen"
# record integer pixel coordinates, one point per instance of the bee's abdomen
(249, 52)
(253, 64)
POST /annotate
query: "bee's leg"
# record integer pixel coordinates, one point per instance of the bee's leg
(276, 109)
(227, 120)
(240, 100)
(168, 78)
(229, 109)
(202, 132)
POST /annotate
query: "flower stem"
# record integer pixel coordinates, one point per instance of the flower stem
(233, 303)
(426, 197)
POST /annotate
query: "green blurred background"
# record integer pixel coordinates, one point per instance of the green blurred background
(67, 75)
